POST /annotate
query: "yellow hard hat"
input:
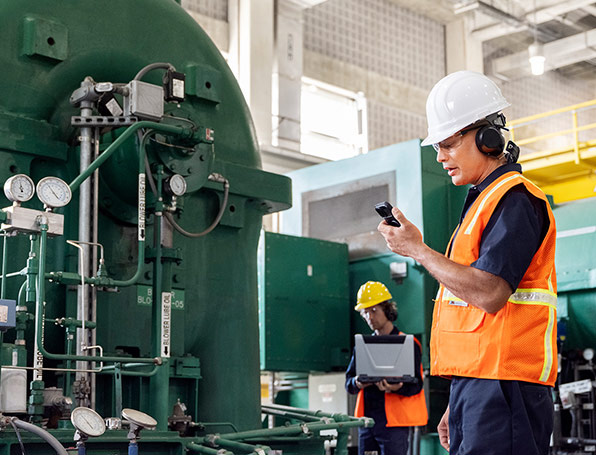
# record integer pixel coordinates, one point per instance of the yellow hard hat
(370, 294)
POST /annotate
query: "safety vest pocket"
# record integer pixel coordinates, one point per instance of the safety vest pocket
(455, 318)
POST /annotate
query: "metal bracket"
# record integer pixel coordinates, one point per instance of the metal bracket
(99, 120)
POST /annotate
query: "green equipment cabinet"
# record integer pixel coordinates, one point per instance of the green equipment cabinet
(303, 304)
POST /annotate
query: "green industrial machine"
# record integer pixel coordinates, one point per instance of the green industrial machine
(133, 204)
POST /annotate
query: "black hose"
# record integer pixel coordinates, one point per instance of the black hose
(170, 217)
(43, 434)
(216, 221)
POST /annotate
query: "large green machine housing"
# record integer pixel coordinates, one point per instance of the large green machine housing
(151, 305)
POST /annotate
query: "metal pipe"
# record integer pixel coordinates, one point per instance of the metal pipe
(4, 256)
(304, 428)
(111, 369)
(95, 240)
(72, 370)
(81, 310)
(215, 424)
(290, 415)
(240, 446)
(49, 438)
(85, 139)
(158, 385)
(206, 450)
(177, 130)
(39, 299)
(38, 293)
(306, 412)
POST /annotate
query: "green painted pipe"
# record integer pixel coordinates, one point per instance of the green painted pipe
(299, 429)
(240, 447)
(39, 299)
(216, 424)
(206, 450)
(292, 415)
(305, 412)
(111, 369)
(141, 242)
(180, 131)
(159, 384)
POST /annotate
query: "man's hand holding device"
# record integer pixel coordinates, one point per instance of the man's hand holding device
(384, 211)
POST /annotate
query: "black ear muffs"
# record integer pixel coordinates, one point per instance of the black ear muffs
(490, 140)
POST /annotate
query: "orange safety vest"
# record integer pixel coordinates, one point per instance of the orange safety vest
(401, 411)
(518, 342)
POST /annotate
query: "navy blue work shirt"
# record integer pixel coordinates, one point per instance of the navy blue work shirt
(514, 232)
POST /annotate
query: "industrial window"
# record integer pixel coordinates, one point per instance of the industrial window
(333, 121)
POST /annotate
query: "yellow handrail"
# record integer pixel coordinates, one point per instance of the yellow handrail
(532, 118)
(567, 171)
(574, 130)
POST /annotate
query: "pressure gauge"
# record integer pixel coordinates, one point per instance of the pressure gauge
(53, 192)
(19, 188)
(87, 421)
(176, 185)
(139, 418)
(588, 354)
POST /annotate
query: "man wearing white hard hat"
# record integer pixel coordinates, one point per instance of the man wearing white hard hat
(494, 321)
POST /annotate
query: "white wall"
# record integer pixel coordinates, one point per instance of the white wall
(391, 54)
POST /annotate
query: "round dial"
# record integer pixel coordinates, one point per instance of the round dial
(588, 354)
(139, 418)
(53, 192)
(19, 188)
(177, 185)
(87, 421)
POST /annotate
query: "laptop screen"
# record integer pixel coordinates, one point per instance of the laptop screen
(389, 357)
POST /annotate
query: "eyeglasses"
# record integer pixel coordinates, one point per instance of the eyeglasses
(367, 311)
(453, 142)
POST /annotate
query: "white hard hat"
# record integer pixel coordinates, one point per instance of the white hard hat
(459, 100)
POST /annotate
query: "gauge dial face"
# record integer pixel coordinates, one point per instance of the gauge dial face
(139, 418)
(19, 188)
(87, 421)
(177, 184)
(53, 192)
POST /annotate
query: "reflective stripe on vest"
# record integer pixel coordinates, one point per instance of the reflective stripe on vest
(518, 341)
(520, 296)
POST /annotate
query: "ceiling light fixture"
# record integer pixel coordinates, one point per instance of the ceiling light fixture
(536, 51)
(537, 58)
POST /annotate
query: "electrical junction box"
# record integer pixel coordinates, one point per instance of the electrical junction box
(7, 314)
(144, 100)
